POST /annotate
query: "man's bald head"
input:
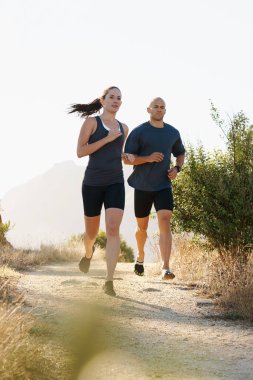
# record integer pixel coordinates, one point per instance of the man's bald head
(156, 100)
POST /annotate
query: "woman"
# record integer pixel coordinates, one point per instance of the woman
(102, 139)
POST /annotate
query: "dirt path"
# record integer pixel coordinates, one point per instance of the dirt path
(162, 330)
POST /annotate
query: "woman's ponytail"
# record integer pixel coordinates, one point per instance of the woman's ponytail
(85, 110)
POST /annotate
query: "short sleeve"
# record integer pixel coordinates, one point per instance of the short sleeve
(132, 144)
(178, 148)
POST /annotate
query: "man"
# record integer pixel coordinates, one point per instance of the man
(149, 148)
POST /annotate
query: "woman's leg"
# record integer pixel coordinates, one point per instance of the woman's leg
(113, 218)
(90, 234)
(93, 197)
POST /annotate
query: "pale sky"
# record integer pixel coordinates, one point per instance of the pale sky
(58, 52)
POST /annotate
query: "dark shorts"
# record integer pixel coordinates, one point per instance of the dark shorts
(143, 201)
(112, 196)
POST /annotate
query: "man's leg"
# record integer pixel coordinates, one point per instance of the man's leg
(143, 201)
(141, 236)
(165, 241)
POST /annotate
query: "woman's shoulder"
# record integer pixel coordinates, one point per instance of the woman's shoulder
(90, 121)
(125, 127)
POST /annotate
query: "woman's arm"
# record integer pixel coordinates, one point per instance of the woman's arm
(88, 128)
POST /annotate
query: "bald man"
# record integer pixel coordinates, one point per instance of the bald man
(149, 147)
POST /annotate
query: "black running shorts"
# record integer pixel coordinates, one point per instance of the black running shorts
(112, 196)
(143, 201)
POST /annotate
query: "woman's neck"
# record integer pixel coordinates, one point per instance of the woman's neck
(107, 116)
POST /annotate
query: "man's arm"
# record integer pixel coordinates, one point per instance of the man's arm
(133, 159)
(172, 173)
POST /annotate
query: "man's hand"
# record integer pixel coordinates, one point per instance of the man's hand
(155, 157)
(172, 173)
(128, 157)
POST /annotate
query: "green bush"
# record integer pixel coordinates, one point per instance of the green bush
(126, 252)
(4, 228)
(214, 192)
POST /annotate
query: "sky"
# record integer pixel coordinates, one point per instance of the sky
(58, 52)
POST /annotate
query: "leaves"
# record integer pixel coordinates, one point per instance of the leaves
(214, 193)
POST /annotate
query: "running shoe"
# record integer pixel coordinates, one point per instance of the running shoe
(167, 274)
(108, 288)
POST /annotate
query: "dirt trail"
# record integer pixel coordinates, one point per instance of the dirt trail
(164, 330)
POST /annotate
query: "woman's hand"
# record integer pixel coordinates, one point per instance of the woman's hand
(113, 134)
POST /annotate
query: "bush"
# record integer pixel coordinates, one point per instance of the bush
(4, 228)
(126, 252)
(214, 192)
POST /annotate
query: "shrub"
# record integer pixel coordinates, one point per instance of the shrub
(126, 252)
(214, 193)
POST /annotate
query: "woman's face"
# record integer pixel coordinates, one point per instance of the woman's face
(112, 100)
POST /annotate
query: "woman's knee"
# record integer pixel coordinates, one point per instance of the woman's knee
(112, 228)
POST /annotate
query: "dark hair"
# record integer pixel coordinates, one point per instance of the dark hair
(85, 110)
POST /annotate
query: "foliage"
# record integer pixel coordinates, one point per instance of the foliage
(214, 192)
(4, 228)
(126, 252)
(101, 240)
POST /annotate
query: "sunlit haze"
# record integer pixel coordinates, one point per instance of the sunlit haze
(58, 52)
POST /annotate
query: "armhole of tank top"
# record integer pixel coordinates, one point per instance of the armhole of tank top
(96, 118)
(121, 127)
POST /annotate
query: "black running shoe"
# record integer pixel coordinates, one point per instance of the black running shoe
(139, 269)
(84, 264)
(108, 288)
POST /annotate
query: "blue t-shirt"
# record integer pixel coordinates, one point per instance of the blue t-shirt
(145, 140)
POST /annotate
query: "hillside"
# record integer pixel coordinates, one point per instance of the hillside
(48, 208)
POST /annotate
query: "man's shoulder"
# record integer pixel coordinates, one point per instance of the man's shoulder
(170, 128)
(140, 127)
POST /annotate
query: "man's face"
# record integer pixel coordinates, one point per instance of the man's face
(157, 109)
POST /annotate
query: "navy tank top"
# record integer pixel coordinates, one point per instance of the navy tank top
(105, 166)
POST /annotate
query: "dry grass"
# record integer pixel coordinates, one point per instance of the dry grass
(21, 259)
(190, 262)
(27, 352)
(230, 283)
(24, 355)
